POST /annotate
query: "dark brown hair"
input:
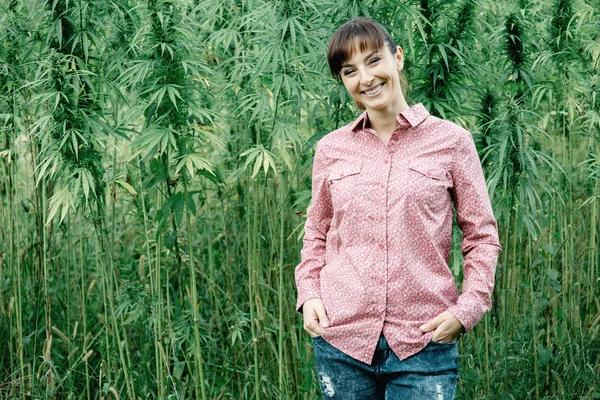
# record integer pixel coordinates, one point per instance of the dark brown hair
(359, 34)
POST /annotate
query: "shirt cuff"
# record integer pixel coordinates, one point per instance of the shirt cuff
(467, 317)
(304, 296)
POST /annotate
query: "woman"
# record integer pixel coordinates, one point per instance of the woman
(374, 287)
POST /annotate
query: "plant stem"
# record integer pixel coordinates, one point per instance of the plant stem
(199, 381)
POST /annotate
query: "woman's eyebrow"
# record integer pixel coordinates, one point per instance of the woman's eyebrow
(366, 58)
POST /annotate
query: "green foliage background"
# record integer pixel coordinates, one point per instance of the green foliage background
(155, 162)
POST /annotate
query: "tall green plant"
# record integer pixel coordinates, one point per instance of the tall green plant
(171, 102)
(69, 129)
(439, 81)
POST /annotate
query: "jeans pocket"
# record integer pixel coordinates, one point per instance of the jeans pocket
(443, 343)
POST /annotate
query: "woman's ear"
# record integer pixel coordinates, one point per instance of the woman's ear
(399, 58)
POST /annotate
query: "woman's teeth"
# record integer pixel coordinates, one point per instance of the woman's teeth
(375, 90)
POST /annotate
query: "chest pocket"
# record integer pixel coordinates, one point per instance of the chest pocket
(433, 171)
(428, 184)
(343, 182)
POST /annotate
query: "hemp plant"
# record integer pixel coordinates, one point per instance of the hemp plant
(169, 82)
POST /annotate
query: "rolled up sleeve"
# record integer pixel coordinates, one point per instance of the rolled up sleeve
(317, 224)
(480, 244)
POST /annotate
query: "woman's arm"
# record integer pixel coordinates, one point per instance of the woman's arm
(318, 221)
(480, 243)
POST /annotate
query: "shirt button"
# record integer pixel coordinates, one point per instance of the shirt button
(381, 246)
(385, 161)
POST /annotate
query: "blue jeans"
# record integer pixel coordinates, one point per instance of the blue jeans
(430, 374)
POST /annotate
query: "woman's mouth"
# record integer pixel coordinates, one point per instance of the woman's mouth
(374, 91)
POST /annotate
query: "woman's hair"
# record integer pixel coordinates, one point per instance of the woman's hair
(359, 34)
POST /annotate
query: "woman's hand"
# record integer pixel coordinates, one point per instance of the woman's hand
(315, 316)
(447, 327)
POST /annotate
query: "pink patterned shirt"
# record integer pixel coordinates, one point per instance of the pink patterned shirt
(378, 233)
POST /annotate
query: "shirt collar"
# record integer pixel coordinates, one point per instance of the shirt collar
(411, 117)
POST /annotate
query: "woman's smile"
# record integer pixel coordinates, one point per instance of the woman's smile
(374, 91)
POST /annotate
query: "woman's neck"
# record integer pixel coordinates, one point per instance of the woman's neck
(384, 121)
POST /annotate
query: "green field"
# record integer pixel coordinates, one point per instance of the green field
(155, 171)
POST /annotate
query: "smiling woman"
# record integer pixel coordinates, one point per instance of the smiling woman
(374, 285)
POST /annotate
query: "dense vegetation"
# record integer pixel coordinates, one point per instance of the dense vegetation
(155, 162)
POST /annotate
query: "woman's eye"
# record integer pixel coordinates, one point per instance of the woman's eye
(348, 71)
(374, 60)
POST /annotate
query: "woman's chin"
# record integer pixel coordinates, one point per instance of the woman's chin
(377, 105)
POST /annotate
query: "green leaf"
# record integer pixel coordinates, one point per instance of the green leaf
(194, 162)
(127, 187)
(544, 355)
(58, 28)
(61, 200)
(152, 138)
(444, 55)
(158, 95)
(191, 205)
(170, 238)
(173, 93)
(257, 164)
(178, 369)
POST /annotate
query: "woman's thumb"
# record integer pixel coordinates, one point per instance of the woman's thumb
(323, 320)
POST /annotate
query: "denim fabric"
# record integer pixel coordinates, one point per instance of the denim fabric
(430, 374)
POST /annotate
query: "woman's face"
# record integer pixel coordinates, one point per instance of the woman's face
(371, 78)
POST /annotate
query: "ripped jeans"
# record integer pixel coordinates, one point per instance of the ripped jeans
(430, 374)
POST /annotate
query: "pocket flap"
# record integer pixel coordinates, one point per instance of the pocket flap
(344, 171)
(434, 171)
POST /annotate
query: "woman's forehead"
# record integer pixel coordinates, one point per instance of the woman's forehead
(360, 44)
(358, 51)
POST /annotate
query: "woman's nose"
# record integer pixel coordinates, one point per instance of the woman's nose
(365, 77)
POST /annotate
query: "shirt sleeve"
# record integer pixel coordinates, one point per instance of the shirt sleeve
(318, 221)
(480, 244)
